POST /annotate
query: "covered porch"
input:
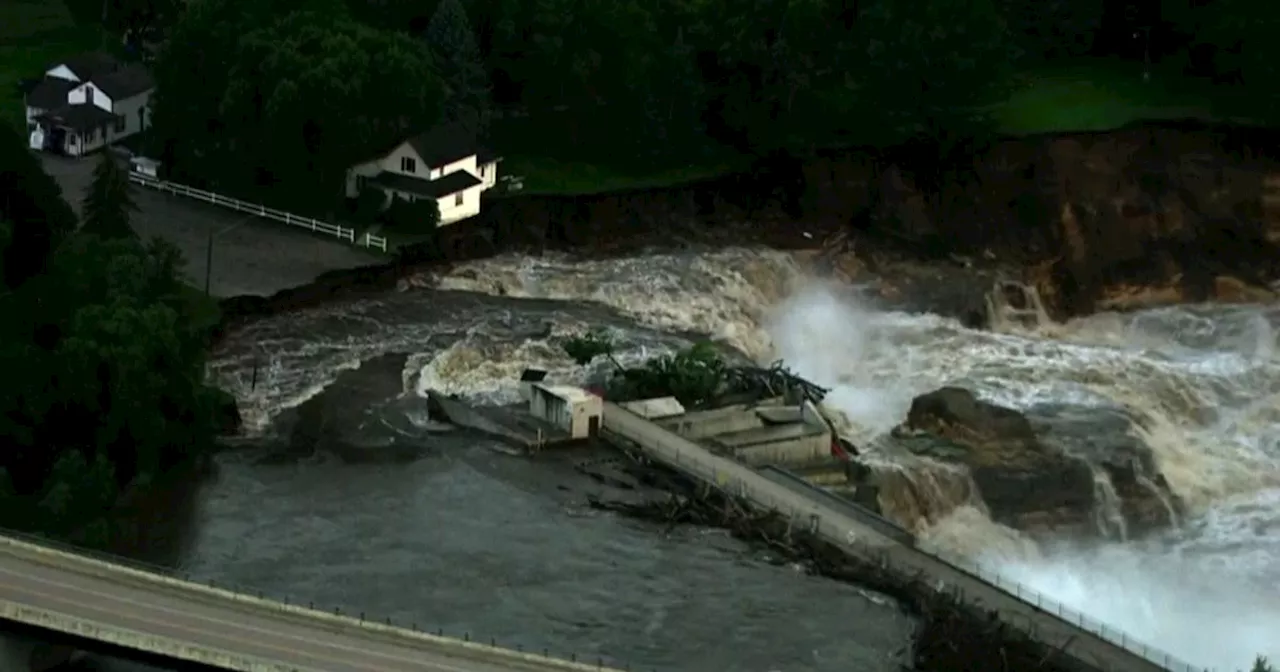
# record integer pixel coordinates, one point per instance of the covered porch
(73, 130)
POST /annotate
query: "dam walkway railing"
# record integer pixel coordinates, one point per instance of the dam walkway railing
(821, 512)
(977, 570)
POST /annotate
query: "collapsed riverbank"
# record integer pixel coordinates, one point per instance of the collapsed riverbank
(1148, 215)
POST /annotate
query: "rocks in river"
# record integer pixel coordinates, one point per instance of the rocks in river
(1060, 468)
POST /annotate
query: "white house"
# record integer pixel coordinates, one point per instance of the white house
(87, 102)
(444, 163)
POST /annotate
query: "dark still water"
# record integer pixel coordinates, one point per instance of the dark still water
(353, 500)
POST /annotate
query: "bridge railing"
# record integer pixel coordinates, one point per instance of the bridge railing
(597, 659)
(737, 487)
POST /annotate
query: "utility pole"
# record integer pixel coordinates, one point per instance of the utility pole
(1146, 53)
(208, 250)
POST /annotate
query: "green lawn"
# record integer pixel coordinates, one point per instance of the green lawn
(1101, 95)
(547, 175)
(1087, 95)
(33, 34)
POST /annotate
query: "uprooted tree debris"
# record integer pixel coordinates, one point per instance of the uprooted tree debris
(697, 376)
(951, 636)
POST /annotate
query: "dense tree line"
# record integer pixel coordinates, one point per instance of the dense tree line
(289, 93)
(102, 349)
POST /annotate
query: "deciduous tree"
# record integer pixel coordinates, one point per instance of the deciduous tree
(311, 95)
(1242, 39)
(32, 205)
(931, 67)
(193, 72)
(457, 58)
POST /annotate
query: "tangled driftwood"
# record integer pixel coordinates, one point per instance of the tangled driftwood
(952, 636)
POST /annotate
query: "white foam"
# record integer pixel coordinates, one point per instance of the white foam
(1196, 609)
(720, 293)
(1203, 382)
(1207, 395)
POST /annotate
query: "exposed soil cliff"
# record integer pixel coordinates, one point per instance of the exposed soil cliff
(1145, 215)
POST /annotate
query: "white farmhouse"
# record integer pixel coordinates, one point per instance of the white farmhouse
(444, 163)
(88, 102)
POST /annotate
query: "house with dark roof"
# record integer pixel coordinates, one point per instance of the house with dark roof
(444, 163)
(87, 102)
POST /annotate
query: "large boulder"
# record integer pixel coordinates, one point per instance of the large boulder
(1060, 469)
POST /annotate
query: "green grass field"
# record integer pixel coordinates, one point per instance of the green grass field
(1094, 95)
(547, 175)
(33, 34)
(1101, 95)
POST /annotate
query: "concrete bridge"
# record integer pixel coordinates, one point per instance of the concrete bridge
(861, 533)
(78, 600)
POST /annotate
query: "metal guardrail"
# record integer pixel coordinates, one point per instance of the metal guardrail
(864, 515)
(312, 224)
(738, 488)
(600, 661)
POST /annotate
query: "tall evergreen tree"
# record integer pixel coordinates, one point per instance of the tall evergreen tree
(108, 202)
(457, 58)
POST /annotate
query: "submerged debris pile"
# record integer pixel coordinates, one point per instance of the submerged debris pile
(698, 376)
(951, 636)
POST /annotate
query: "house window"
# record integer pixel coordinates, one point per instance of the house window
(482, 169)
(142, 118)
(120, 123)
(408, 165)
(88, 94)
(457, 200)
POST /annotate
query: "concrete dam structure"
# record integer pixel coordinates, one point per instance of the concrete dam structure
(864, 534)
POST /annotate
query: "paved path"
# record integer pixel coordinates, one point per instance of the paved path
(270, 639)
(862, 539)
(251, 255)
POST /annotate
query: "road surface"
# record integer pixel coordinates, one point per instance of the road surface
(251, 255)
(842, 528)
(200, 619)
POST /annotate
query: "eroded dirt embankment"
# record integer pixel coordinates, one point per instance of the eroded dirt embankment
(1146, 215)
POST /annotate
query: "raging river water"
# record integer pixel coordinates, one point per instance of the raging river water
(341, 492)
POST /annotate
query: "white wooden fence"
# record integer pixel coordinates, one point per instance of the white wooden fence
(340, 232)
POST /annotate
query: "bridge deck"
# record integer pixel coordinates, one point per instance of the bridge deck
(95, 600)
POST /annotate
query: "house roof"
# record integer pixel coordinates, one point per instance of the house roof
(444, 144)
(50, 93)
(438, 188)
(485, 155)
(90, 64)
(78, 117)
(126, 82)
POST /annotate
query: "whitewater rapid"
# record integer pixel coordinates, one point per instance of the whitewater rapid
(1202, 382)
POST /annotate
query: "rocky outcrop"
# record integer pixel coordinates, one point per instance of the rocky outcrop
(1037, 475)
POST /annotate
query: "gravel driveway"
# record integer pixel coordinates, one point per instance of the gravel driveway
(251, 255)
